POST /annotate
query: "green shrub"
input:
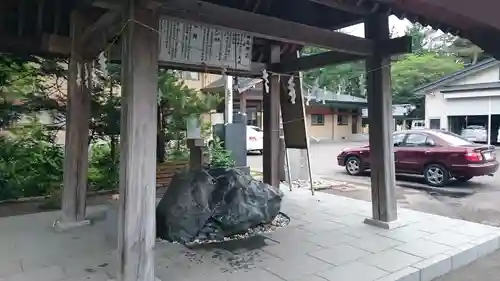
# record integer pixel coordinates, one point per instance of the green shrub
(103, 168)
(219, 156)
(30, 164)
(178, 152)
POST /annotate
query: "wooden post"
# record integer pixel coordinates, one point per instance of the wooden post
(136, 227)
(196, 147)
(271, 104)
(77, 134)
(228, 101)
(381, 125)
(243, 103)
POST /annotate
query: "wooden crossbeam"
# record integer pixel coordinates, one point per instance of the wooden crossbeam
(95, 37)
(255, 67)
(313, 61)
(394, 46)
(353, 7)
(119, 4)
(265, 27)
(56, 44)
(45, 44)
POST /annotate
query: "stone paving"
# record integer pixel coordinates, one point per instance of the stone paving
(326, 240)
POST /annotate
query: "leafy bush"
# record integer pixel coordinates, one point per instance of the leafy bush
(219, 156)
(103, 168)
(30, 163)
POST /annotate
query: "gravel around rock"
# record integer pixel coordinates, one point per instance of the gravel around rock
(320, 184)
(281, 220)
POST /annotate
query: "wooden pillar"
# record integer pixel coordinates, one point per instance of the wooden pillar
(136, 227)
(271, 106)
(77, 133)
(381, 125)
(195, 147)
(228, 100)
(243, 103)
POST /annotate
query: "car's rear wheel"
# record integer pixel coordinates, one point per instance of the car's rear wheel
(436, 175)
(463, 179)
(353, 166)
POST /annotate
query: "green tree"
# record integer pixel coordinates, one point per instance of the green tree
(177, 103)
(18, 77)
(30, 163)
(429, 61)
(424, 39)
(467, 51)
(415, 71)
(347, 79)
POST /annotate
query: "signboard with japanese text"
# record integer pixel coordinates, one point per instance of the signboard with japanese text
(191, 43)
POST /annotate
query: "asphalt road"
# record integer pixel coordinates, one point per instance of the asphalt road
(481, 205)
(475, 201)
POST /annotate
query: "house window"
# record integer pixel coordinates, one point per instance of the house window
(317, 119)
(342, 120)
(190, 75)
(435, 123)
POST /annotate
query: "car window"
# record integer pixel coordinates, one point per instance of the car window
(453, 139)
(416, 140)
(397, 139)
(475, 127)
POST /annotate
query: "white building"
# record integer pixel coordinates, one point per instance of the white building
(468, 97)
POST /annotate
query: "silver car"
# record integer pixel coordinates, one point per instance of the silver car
(475, 133)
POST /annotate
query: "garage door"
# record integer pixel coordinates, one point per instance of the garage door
(467, 106)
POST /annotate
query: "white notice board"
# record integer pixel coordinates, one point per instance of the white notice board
(191, 43)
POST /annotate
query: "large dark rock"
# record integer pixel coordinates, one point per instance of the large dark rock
(213, 204)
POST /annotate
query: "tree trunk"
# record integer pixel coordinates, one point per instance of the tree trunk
(113, 144)
(112, 148)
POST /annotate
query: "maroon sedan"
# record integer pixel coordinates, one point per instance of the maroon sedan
(437, 155)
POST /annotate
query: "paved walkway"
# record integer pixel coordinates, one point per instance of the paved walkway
(326, 241)
(484, 269)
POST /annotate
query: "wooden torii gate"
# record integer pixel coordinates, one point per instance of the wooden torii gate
(82, 29)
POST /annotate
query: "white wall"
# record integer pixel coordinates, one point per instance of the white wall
(441, 105)
(435, 108)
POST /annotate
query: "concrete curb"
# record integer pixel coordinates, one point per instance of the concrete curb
(449, 191)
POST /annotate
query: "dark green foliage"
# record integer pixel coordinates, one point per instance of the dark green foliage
(176, 104)
(433, 57)
(103, 167)
(30, 164)
(219, 156)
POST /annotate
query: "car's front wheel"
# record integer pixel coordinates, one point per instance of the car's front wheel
(436, 175)
(353, 166)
